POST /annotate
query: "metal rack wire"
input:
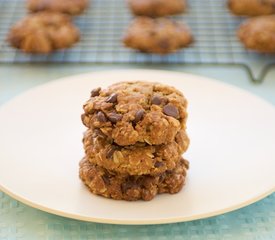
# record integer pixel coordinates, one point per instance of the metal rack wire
(103, 24)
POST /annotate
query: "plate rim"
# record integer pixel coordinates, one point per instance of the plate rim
(136, 222)
(235, 207)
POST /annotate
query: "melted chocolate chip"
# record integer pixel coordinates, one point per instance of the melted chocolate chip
(112, 98)
(139, 115)
(171, 111)
(106, 179)
(158, 164)
(156, 100)
(114, 117)
(101, 117)
(95, 92)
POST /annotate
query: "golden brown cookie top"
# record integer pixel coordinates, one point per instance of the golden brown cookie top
(72, 7)
(159, 35)
(157, 8)
(132, 112)
(251, 7)
(259, 33)
(43, 32)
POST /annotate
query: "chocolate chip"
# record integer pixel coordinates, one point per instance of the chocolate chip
(101, 117)
(171, 111)
(158, 164)
(110, 152)
(114, 117)
(112, 98)
(95, 92)
(139, 115)
(106, 179)
(156, 100)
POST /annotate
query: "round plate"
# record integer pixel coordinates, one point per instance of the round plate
(231, 153)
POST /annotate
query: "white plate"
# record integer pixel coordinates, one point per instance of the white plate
(232, 150)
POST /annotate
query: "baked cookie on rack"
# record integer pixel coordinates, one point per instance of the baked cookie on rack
(138, 159)
(136, 112)
(258, 34)
(157, 8)
(160, 35)
(43, 32)
(72, 7)
(131, 188)
(251, 7)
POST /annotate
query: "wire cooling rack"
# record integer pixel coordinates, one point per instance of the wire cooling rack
(104, 23)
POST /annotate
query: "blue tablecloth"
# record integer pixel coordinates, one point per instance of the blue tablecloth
(18, 221)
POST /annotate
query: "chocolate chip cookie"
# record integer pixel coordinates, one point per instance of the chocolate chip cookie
(157, 8)
(258, 34)
(131, 188)
(43, 32)
(136, 112)
(252, 7)
(72, 7)
(136, 159)
(160, 36)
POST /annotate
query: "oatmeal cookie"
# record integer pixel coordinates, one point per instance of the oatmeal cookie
(136, 112)
(160, 35)
(157, 8)
(72, 7)
(136, 159)
(43, 32)
(251, 7)
(258, 34)
(131, 188)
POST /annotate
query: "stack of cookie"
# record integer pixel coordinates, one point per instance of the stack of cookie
(150, 32)
(49, 27)
(135, 140)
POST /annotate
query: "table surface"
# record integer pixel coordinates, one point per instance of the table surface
(18, 221)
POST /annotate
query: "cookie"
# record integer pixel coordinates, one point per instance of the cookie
(157, 8)
(72, 7)
(131, 188)
(252, 7)
(136, 159)
(136, 112)
(43, 32)
(160, 35)
(258, 34)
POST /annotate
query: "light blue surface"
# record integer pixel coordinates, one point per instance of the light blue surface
(18, 221)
